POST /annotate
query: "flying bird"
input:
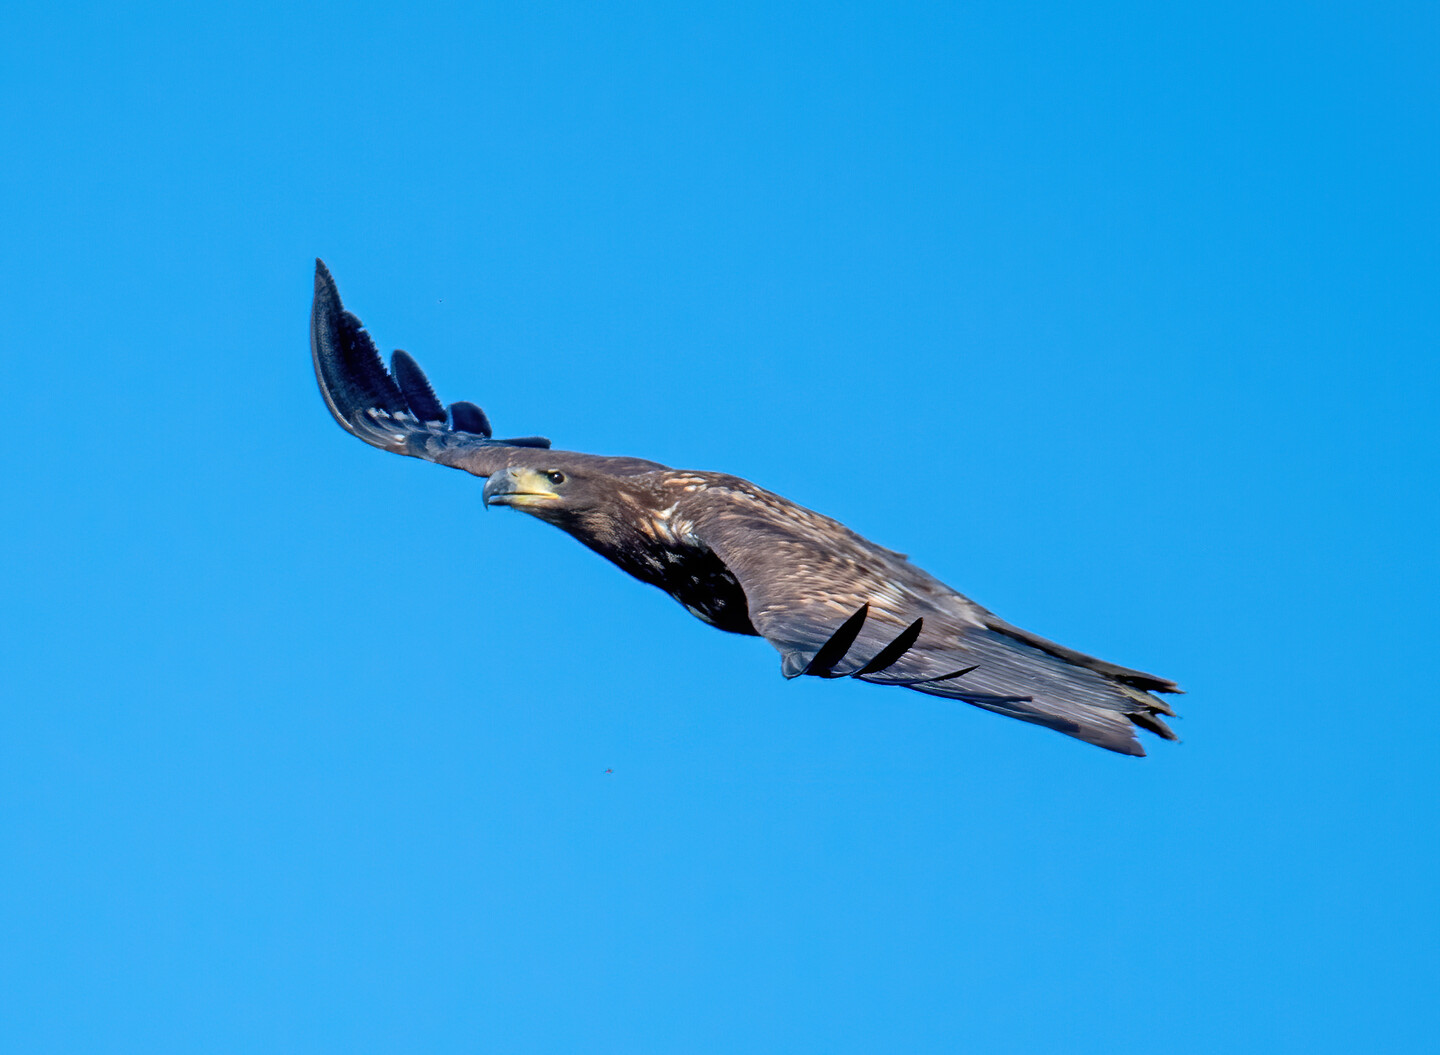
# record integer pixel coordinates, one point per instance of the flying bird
(744, 560)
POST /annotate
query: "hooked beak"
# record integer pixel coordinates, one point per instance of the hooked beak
(516, 488)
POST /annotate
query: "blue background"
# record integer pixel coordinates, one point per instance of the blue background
(1120, 317)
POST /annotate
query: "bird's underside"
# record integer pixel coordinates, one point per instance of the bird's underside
(741, 558)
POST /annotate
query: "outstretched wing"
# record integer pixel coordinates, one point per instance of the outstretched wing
(837, 605)
(395, 410)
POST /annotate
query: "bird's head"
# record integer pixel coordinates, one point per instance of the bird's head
(606, 503)
(548, 492)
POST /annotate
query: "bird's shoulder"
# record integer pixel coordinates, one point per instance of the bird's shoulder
(752, 527)
(721, 501)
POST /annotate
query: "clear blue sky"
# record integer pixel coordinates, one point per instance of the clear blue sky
(1121, 318)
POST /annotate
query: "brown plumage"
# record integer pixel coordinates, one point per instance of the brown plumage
(741, 558)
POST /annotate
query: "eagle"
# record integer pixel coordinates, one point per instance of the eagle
(740, 558)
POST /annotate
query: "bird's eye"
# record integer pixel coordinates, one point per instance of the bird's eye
(555, 476)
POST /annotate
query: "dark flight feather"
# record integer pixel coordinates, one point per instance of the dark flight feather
(887, 656)
(743, 559)
(822, 664)
(415, 387)
(467, 417)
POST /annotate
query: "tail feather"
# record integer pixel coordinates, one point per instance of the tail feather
(1015, 677)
